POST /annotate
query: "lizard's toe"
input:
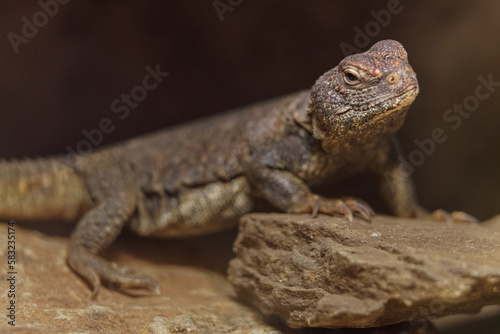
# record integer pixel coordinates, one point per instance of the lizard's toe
(94, 282)
(133, 284)
(441, 215)
(344, 210)
(360, 208)
(364, 212)
(79, 265)
(346, 207)
(463, 217)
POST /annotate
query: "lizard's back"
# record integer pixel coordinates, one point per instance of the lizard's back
(190, 179)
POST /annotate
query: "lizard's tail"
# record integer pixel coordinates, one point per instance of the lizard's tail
(40, 189)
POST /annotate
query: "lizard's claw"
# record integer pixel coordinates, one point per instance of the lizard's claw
(360, 207)
(347, 207)
(315, 210)
(454, 217)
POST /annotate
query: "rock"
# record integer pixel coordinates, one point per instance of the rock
(328, 272)
(196, 297)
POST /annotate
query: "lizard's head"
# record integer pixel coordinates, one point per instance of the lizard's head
(365, 97)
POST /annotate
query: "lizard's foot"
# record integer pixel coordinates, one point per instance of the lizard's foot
(95, 269)
(345, 206)
(454, 217)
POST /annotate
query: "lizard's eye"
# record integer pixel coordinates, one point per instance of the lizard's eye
(351, 77)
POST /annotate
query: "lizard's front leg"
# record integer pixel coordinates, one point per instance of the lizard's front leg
(115, 202)
(398, 191)
(289, 193)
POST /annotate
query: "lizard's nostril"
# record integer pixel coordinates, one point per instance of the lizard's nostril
(393, 78)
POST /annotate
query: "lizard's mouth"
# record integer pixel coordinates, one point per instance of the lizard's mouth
(410, 94)
(412, 87)
(400, 102)
(405, 99)
(390, 105)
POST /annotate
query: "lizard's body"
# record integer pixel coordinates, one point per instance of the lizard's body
(195, 178)
(202, 176)
(205, 161)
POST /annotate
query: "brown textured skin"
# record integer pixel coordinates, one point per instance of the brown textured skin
(203, 176)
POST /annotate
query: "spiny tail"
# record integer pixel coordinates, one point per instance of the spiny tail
(40, 189)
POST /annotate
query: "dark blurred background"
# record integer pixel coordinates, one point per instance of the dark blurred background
(63, 79)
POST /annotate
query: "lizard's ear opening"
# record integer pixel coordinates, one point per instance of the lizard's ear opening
(313, 126)
(303, 117)
(318, 131)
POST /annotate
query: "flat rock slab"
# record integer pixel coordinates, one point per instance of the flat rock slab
(329, 272)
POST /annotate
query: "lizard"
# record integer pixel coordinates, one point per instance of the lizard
(202, 176)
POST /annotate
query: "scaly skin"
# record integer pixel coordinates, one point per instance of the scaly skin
(201, 177)
(41, 189)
